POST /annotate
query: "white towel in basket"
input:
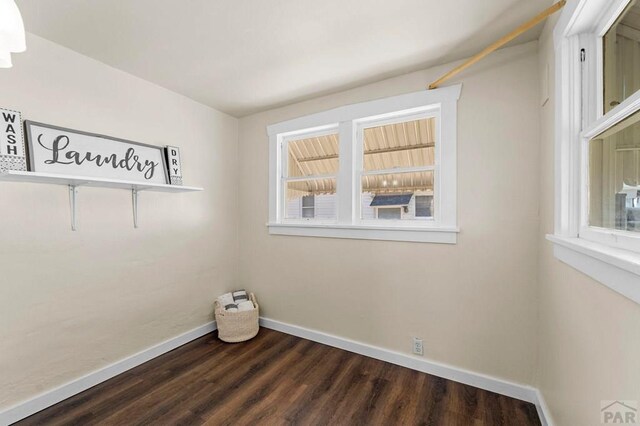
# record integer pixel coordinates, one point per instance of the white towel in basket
(240, 296)
(231, 307)
(226, 299)
(245, 306)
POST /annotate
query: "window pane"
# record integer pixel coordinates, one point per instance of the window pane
(621, 47)
(307, 201)
(314, 198)
(308, 206)
(390, 213)
(396, 190)
(315, 156)
(407, 144)
(614, 177)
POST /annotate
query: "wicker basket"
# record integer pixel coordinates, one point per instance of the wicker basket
(237, 326)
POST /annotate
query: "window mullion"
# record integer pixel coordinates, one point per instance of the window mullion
(345, 183)
(305, 178)
(399, 170)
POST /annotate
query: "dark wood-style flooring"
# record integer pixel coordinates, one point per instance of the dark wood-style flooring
(279, 379)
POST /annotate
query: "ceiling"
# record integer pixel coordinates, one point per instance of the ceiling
(244, 56)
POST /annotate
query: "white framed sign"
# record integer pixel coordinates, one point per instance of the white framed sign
(58, 150)
(12, 149)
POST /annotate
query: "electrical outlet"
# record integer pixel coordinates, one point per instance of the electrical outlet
(417, 346)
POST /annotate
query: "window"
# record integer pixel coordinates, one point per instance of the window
(424, 205)
(389, 213)
(598, 142)
(614, 172)
(308, 206)
(621, 46)
(383, 169)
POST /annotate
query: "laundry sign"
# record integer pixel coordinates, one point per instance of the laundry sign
(58, 150)
(12, 152)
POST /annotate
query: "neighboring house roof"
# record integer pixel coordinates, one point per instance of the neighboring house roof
(391, 200)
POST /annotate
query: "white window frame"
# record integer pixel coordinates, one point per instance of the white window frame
(610, 256)
(349, 120)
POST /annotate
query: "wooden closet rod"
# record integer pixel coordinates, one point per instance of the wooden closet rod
(501, 42)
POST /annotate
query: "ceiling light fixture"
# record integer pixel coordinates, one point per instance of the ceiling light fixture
(12, 37)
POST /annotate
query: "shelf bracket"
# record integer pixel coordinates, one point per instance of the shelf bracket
(73, 194)
(134, 202)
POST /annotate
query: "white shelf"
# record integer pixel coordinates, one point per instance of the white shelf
(75, 182)
(79, 181)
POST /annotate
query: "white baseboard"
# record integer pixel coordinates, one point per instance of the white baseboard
(482, 381)
(543, 410)
(48, 398)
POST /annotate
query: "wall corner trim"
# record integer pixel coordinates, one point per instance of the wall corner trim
(48, 398)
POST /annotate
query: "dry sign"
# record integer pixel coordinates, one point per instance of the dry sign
(71, 152)
(173, 161)
(12, 152)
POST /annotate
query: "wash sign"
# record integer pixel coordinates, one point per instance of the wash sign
(12, 151)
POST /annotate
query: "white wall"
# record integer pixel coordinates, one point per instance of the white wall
(72, 302)
(473, 303)
(589, 335)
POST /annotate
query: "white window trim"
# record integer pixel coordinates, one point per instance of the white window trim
(347, 118)
(581, 24)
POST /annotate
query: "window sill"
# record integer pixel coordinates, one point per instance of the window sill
(424, 234)
(615, 268)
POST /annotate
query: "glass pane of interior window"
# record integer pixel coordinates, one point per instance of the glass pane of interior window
(621, 52)
(313, 156)
(396, 190)
(400, 145)
(614, 177)
(311, 199)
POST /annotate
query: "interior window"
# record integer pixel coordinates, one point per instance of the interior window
(621, 52)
